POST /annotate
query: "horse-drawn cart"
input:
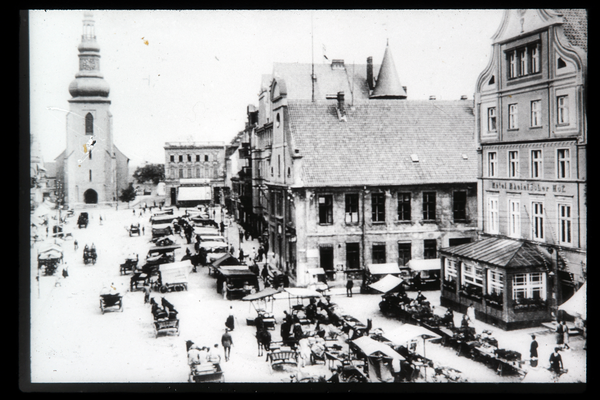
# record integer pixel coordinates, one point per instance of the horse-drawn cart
(263, 304)
(129, 265)
(89, 255)
(134, 229)
(49, 259)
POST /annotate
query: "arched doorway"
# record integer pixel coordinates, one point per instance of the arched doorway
(90, 196)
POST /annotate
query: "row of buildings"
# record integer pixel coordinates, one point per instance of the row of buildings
(337, 169)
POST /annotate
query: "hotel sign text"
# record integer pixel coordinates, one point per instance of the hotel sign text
(529, 187)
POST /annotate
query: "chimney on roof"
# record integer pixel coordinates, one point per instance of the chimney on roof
(431, 97)
(337, 64)
(370, 78)
(463, 97)
(341, 110)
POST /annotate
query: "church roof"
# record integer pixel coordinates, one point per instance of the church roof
(388, 84)
(377, 142)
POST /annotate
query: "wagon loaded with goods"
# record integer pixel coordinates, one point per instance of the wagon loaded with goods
(49, 258)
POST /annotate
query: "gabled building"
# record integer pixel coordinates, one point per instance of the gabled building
(350, 173)
(531, 132)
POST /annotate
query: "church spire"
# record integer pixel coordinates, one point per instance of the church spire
(89, 81)
(388, 84)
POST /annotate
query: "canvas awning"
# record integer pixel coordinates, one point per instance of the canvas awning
(373, 348)
(176, 272)
(386, 284)
(301, 293)
(267, 292)
(577, 304)
(424, 265)
(408, 332)
(382, 269)
(316, 271)
(193, 193)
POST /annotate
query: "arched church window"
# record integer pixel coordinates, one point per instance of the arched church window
(89, 124)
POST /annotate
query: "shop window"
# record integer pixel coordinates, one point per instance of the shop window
(472, 275)
(451, 271)
(495, 282)
(379, 254)
(429, 249)
(352, 255)
(459, 205)
(529, 286)
(404, 253)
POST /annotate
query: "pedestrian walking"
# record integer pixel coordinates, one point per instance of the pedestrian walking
(101, 220)
(566, 335)
(261, 251)
(65, 272)
(349, 286)
(253, 254)
(146, 294)
(240, 233)
(213, 355)
(226, 342)
(76, 245)
(533, 352)
(560, 334)
(231, 250)
(471, 313)
(133, 212)
(241, 256)
(222, 226)
(143, 230)
(230, 322)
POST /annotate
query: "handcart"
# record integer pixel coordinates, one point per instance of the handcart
(210, 372)
(166, 326)
(113, 301)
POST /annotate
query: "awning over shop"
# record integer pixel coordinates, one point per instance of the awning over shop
(382, 269)
(301, 293)
(386, 284)
(577, 304)
(267, 292)
(193, 193)
(424, 265)
(176, 272)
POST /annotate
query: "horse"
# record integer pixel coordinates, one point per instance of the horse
(263, 339)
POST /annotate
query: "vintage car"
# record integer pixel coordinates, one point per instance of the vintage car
(82, 221)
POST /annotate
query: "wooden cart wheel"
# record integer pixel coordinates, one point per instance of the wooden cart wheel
(164, 289)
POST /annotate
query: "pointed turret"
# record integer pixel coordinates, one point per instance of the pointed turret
(388, 84)
(89, 81)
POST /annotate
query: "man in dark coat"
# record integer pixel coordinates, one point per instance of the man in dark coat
(533, 352)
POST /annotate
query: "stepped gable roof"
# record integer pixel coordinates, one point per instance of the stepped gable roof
(330, 81)
(504, 253)
(575, 26)
(388, 84)
(375, 143)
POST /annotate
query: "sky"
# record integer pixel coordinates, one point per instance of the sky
(181, 75)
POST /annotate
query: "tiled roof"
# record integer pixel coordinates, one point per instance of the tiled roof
(575, 26)
(505, 253)
(351, 79)
(375, 143)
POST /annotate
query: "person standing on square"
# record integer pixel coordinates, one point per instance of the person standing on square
(349, 286)
(533, 352)
(227, 342)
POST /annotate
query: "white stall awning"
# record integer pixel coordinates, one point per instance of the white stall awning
(424, 265)
(193, 193)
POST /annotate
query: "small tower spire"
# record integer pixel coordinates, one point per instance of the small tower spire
(388, 84)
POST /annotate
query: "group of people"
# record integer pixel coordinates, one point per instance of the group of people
(201, 355)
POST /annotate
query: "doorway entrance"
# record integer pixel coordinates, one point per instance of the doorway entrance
(90, 196)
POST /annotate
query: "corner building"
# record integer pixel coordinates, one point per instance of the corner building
(532, 136)
(349, 173)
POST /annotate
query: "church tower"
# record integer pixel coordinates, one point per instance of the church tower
(92, 164)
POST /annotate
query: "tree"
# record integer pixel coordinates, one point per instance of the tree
(150, 173)
(128, 194)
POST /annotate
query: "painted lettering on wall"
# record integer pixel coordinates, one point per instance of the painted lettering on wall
(528, 187)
